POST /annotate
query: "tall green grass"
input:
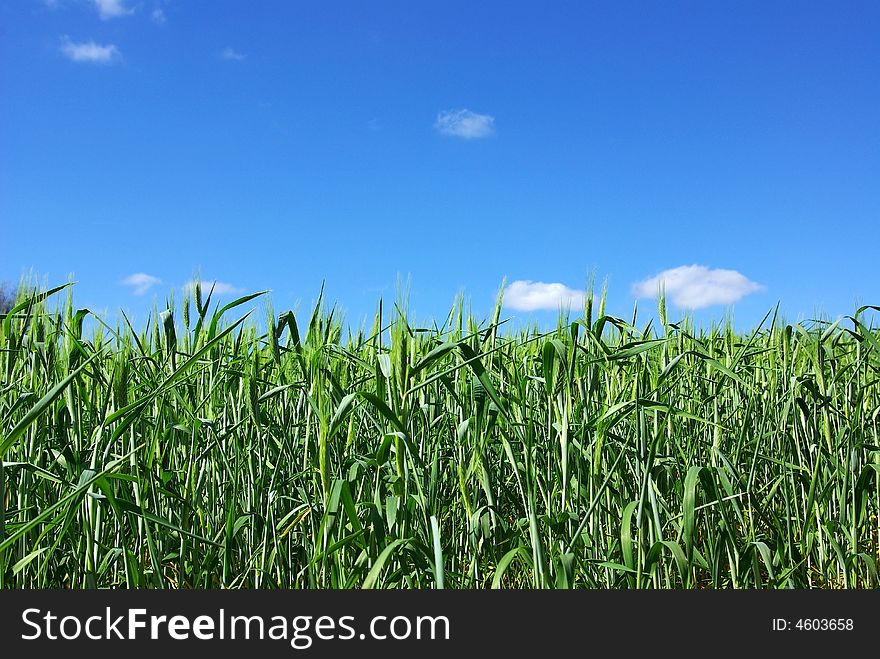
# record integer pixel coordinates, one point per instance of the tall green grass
(205, 450)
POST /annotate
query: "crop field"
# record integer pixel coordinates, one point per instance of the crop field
(219, 447)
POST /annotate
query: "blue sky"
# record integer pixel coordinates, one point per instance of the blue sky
(730, 149)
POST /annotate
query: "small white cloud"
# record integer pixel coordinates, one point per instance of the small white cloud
(140, 282)
(465, 124)
(534, 295)
(220, 287)
(232, 55)
(89, 51)
(158, 16)
(108, 9)
(697, 287)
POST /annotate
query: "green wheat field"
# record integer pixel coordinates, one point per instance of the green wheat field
(236, 447)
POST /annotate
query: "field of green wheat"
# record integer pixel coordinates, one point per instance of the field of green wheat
(230, 446)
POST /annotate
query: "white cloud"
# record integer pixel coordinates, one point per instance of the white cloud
(533, 295)
(158, 17)
(108, 9)
(140, 282)
(89, 51)
(696, 286)
(220, 287)
(232, 55)
(465, 124)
